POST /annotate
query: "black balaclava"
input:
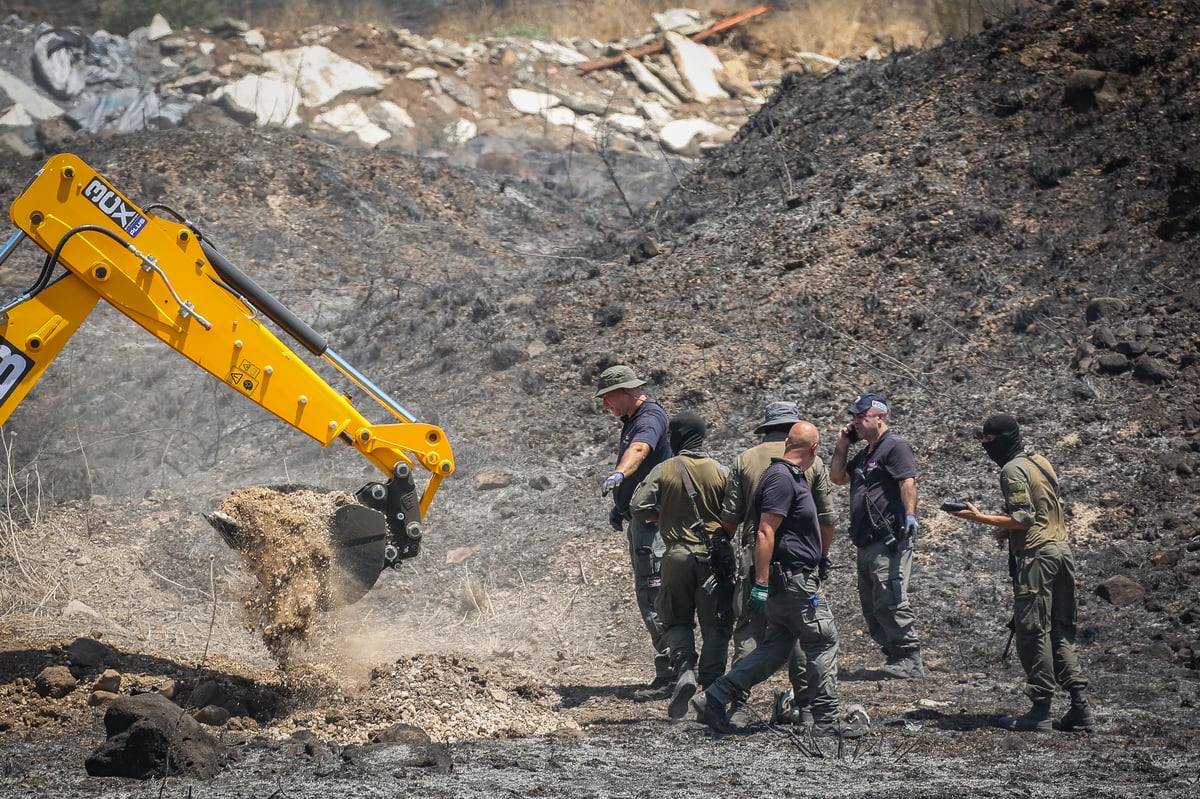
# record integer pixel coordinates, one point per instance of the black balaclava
(687, 432)
(1007, 442)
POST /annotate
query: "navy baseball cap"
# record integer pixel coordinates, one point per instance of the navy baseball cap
(865, 402)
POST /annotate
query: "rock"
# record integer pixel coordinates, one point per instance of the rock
(110, 681)
(54, 682)
(150, 736)
(1150, 369)
(88, 653)
(698, 67)
(98, 698)
(1104, 308)
(1120, 590)
(207, 692)
(212, 715)
(1112, 363)
(489, 479)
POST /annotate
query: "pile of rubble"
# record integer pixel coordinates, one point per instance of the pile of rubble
(364, 86)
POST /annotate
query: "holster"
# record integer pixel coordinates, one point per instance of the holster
(777, 580)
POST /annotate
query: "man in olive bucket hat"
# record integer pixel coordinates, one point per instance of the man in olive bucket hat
(644, 443)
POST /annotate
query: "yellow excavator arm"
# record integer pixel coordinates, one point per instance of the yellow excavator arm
(161, 272)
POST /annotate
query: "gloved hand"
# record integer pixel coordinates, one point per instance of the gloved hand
(823, 567)
(758, 596)
(610, 484)
(911, 527)
(616, 519)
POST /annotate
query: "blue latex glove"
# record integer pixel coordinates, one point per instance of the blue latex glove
(911, 527)
(616, 520)
(758, 596)
(615, 479)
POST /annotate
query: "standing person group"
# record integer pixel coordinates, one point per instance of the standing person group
(683, 508)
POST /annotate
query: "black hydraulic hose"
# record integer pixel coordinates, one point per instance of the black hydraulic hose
(274, 310)
(51, 261)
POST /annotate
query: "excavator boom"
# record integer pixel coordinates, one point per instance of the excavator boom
(165, 275)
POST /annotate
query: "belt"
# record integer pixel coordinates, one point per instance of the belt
(690, 546)
(800, 570)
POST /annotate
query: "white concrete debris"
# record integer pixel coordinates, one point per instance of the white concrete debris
(685, 136)
(698, 66)
(149, 79)
(422, 73)
(460, 131)
(271, 100)
(320, 74)
(158, 28)
(687, 20)
(390, 117)
(36, 105)
(531, 102)
(350, 118)
(564, 56)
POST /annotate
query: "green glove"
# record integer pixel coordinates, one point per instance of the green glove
(758, 596)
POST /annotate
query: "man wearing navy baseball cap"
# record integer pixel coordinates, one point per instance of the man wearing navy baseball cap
(883, 526)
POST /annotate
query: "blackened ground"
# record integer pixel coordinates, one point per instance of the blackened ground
(1007, 222)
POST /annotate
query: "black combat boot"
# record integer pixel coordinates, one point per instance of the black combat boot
(711, 713)
(685, 689)
(1036, 720)
(1080, 716)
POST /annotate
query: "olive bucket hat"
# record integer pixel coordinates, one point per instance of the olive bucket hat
(615, 377)
(779, 415)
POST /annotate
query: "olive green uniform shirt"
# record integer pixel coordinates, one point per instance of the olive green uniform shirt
(1031, 498)
(743, 479)
(664, 494)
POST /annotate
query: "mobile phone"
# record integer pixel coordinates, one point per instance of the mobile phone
(851, 433)
(951, 507)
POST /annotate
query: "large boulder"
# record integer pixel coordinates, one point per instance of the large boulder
(150, 736)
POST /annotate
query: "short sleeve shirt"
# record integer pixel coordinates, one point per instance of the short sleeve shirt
(784, 491)
(1030, 497)
(875, 475)
(648, 424)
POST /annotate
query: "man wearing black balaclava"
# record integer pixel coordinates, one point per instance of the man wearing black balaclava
(1043, 575)
(683, 494)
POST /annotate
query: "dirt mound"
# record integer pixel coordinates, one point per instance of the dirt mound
(1006, 222)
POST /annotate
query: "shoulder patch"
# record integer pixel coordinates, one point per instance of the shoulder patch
(1018, 492)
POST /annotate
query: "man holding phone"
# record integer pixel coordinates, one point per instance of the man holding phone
(883, 526)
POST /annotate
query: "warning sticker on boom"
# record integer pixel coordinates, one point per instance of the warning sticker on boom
(245, 376)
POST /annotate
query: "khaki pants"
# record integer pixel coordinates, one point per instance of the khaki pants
(645, 556)
(883, 580)
(792, 619)
(1044, 620)
(682, 602)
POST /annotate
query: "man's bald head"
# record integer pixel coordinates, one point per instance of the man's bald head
(800, 446)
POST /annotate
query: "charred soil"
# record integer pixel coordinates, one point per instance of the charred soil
(1006, 222)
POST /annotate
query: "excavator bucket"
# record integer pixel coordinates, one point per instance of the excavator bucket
(317, 541)
(359, 538)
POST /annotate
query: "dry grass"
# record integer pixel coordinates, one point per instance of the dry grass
(832, 27)
(294, 15)
(835, 28)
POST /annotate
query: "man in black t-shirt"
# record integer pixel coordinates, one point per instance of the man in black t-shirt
(644, 444)
(883, 526)
(788, 549)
